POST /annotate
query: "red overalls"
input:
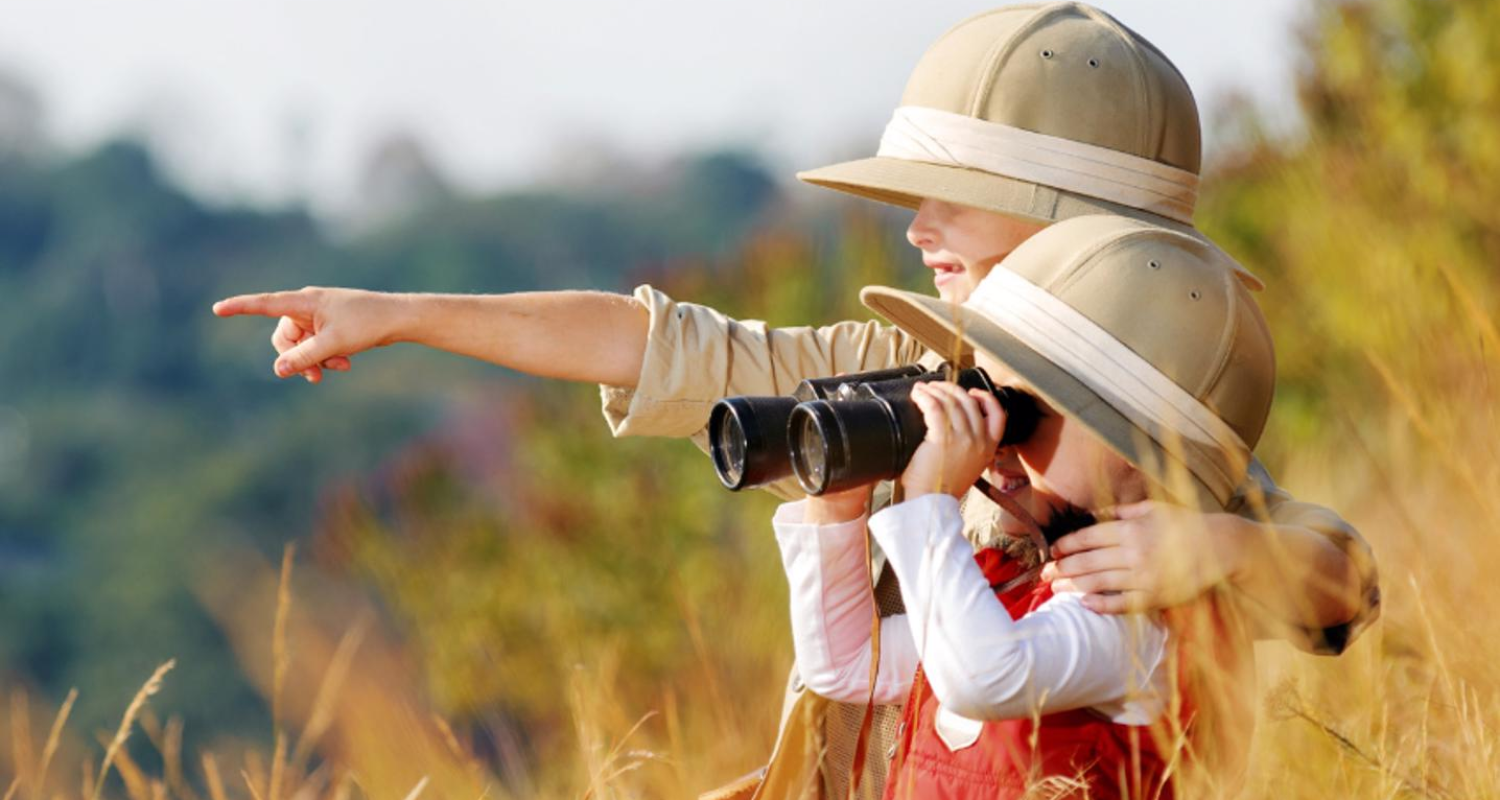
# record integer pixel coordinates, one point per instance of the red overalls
(1115, 760)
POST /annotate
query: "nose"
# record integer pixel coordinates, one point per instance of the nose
(922, 232)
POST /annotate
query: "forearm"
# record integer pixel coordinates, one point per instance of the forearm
(1297, 576)
(833, 608)
(595, 337)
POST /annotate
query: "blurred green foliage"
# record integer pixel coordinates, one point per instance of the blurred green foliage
(1377, 226)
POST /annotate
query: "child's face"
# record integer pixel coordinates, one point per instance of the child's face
(1062, 464)
(962, 244)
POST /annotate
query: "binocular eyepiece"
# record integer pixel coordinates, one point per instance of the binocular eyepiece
(842, 432)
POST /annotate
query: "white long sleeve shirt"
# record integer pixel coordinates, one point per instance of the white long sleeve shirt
(980, 663)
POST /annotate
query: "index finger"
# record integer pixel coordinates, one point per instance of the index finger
(1103, 534)
(934, 413)
(994, 414)
(266, 304)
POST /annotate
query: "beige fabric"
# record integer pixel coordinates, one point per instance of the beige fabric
(728, 358)
(1063, 70)
(933, 136)
(1068, 338)
(1261, 499)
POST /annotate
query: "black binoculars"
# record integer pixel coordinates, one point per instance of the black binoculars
(838, 433)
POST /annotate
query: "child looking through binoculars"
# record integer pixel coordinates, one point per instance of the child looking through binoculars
(1018, 681)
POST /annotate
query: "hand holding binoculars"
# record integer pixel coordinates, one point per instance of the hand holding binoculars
(841, 432)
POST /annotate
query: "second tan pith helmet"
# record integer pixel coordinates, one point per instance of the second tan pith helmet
(1039, 111)
(1141, 333)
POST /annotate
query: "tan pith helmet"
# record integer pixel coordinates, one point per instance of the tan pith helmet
(1043, 112)
(1143, 334)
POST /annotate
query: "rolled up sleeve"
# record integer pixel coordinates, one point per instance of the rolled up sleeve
(1283, 509)
(696, 356)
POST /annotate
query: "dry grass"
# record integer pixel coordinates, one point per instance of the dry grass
(1410, 711)
(112, 749)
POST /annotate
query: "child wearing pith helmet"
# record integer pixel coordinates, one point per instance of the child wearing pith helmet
(1154, 371)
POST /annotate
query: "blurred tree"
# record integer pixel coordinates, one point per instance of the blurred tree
(22, 119)
(138, 435)
(399, 176)
(1377, 229)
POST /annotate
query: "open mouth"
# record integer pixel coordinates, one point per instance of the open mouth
(1010, 484)
(945, 272)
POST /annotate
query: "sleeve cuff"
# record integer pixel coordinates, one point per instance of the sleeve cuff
(643, 410)
(1335, 639)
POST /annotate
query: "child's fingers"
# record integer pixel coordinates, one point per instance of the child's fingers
(994, 415)
(1103, 534)
(964, 414)
(953, 400)
(973, 413)
(287, 334)
(1118, 603)
(934, 415)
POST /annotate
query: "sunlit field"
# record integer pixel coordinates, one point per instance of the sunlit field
(563, 614)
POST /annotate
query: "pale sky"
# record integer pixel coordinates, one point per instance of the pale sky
(260, 100)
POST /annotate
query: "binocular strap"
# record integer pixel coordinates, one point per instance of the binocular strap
(1018, 511)
(1033, 530)
(862, 743)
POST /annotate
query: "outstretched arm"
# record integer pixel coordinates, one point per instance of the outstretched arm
(823, 551)
(595, 337)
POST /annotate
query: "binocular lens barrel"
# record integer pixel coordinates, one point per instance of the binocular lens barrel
(844, 443)
(747, 440)
(747, 436)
